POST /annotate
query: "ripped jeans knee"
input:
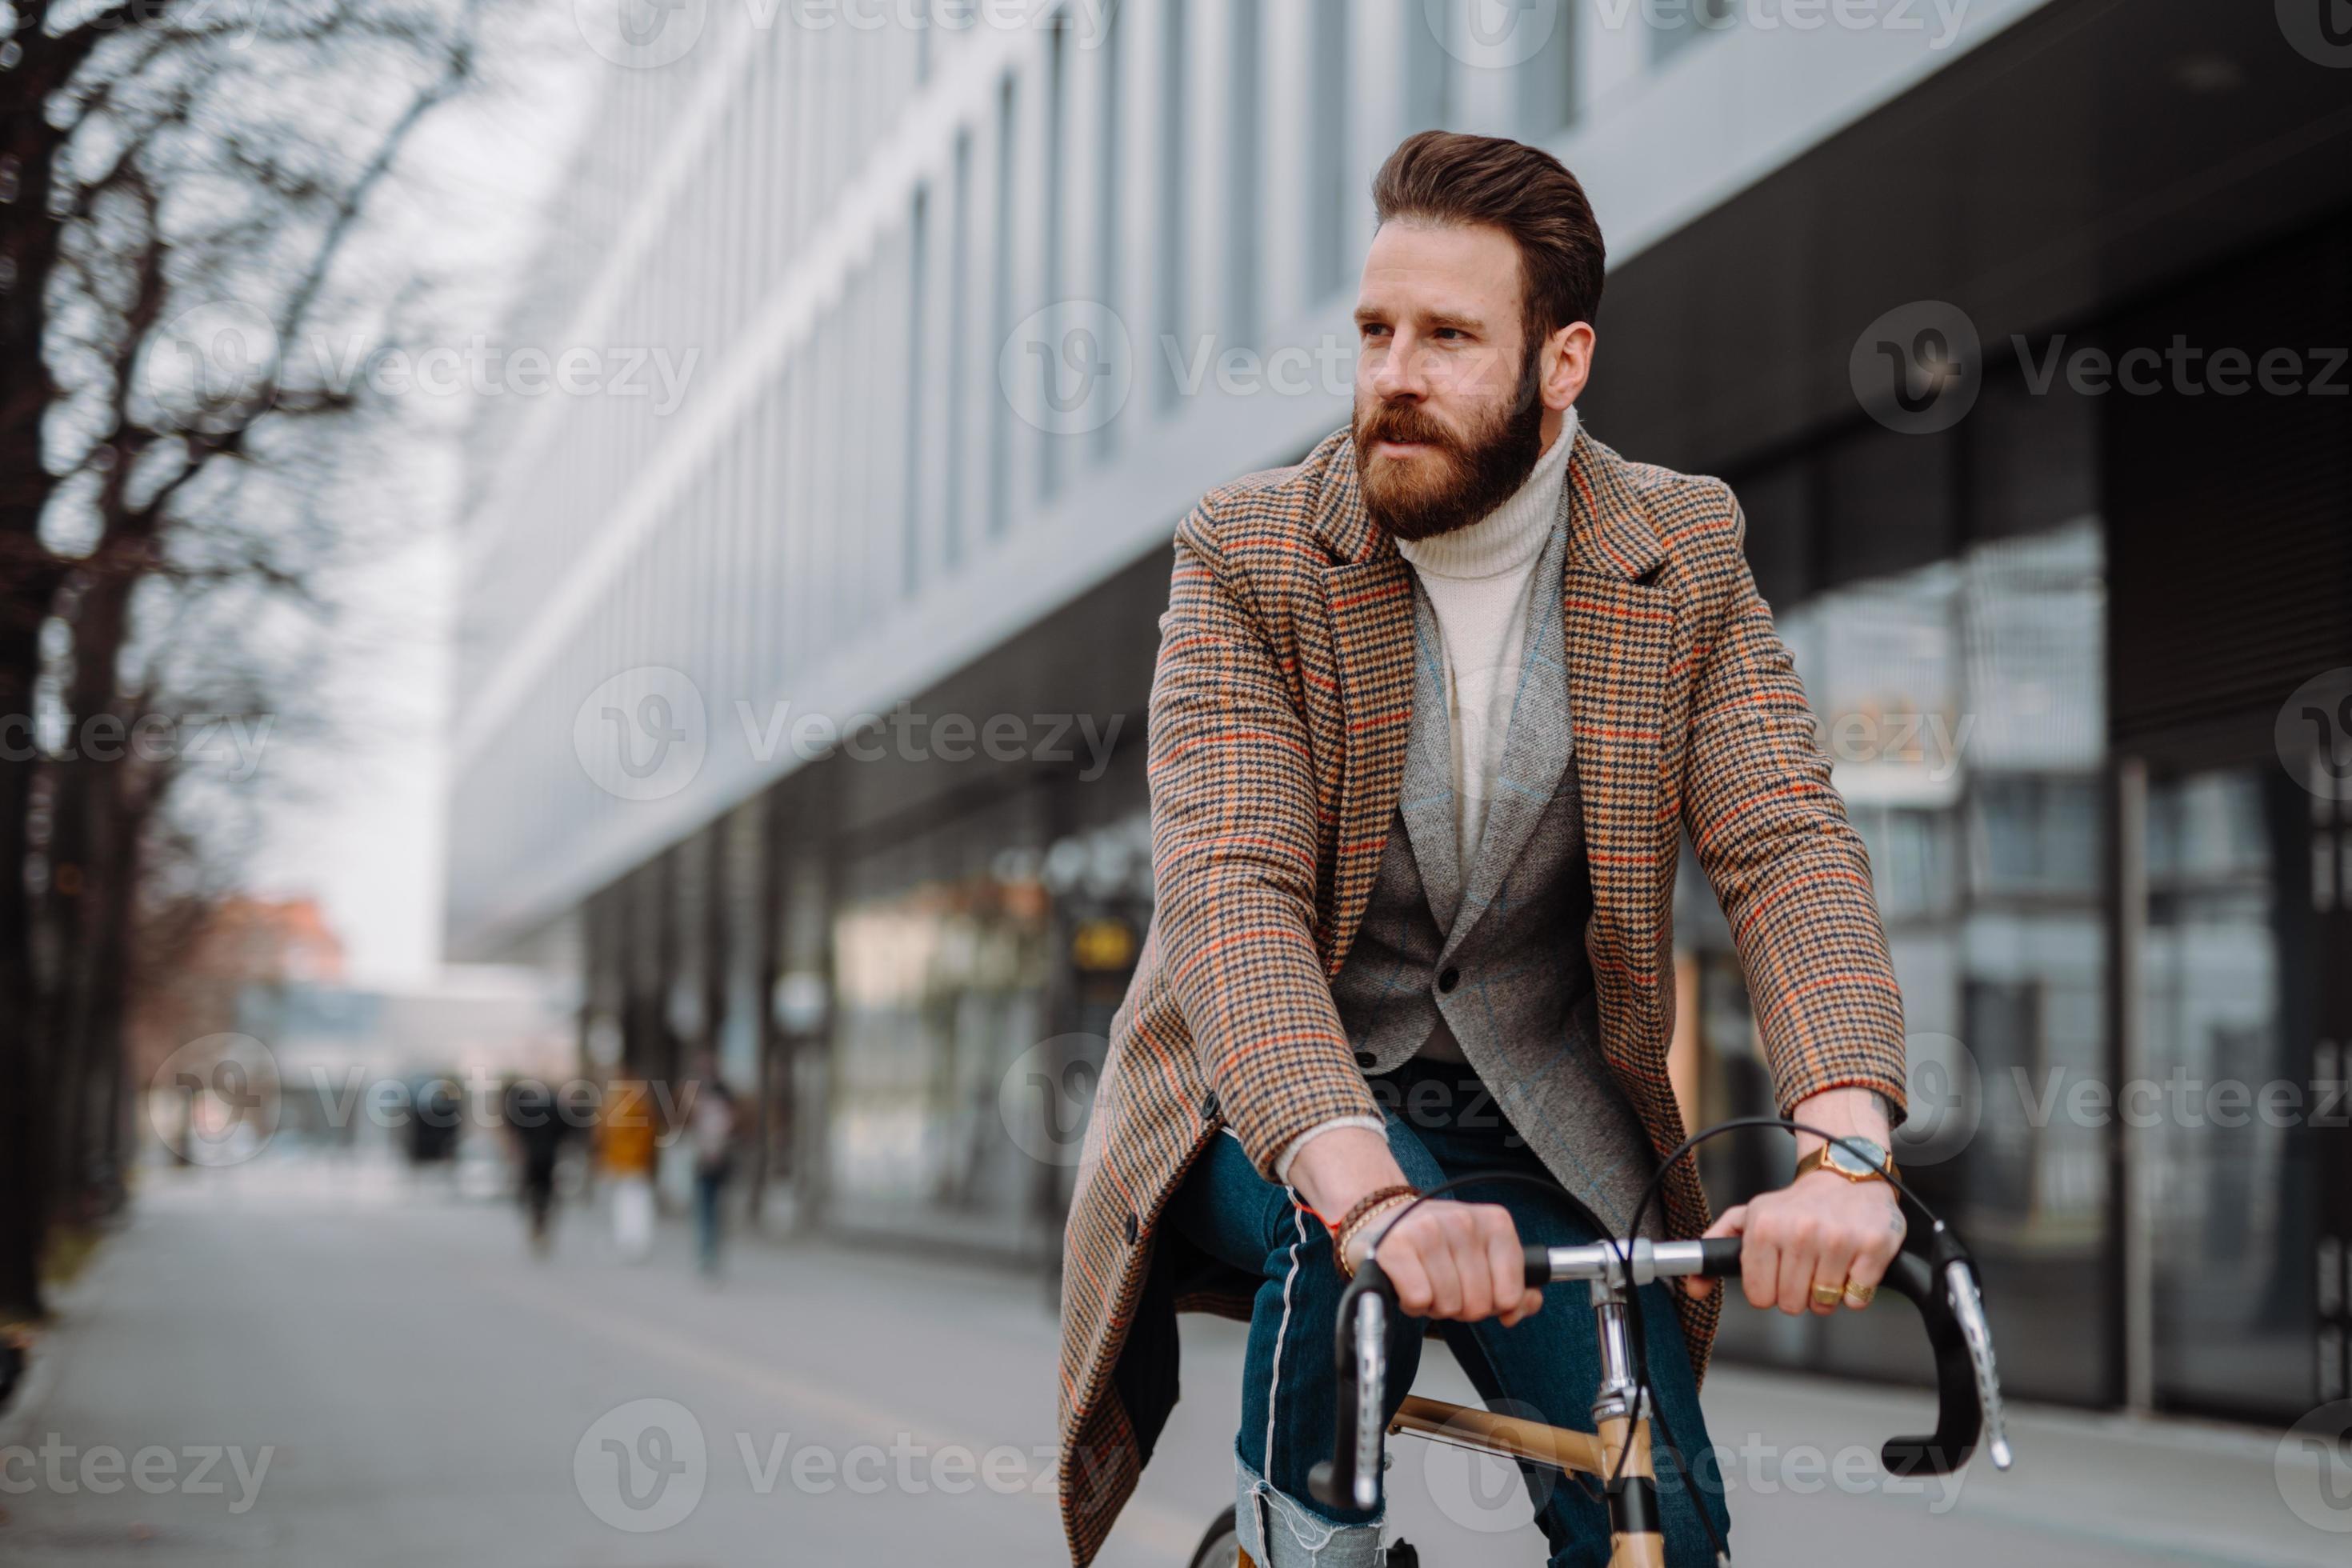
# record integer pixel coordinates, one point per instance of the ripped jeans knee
(1278, 1532)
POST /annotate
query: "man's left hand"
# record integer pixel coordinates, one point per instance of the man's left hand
(1822, 1229)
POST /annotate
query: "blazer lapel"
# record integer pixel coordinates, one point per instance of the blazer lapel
(1619, 639)
(1536, 743)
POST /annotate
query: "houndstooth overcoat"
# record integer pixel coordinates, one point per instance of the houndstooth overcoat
(1279, 716)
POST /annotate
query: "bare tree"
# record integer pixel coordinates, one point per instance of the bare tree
(183, 191)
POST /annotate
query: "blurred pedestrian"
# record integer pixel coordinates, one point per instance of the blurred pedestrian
(625, 1133)
(533, 1120)
(713, 1122)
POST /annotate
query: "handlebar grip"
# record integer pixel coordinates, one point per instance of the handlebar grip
(1720, 1256)
(1958, 1420)
(1539, 1266)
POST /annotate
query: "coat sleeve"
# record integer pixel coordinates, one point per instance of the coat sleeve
(1789, 871)
(1234, 850)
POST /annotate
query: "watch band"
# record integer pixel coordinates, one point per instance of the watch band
(1819, 1160)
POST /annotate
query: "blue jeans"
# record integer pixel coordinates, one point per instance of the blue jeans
(710, 1187)
(1548, 1368)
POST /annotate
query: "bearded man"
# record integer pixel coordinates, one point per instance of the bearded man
(1433, 713)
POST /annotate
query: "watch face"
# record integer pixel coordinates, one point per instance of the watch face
(1846, 1157)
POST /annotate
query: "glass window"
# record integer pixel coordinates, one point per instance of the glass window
(1676, 25)
(2228, 1150)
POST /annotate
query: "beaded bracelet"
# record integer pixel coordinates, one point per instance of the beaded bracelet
(1366, 1207)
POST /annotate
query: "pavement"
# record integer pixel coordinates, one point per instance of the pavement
(304, 1364)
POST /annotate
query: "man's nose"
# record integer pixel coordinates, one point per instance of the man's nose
(1398, 373)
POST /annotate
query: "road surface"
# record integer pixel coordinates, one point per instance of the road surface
(310, 1365)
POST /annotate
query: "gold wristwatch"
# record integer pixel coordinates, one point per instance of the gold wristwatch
(1856, 1159)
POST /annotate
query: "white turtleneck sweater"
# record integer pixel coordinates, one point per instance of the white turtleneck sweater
(1481, 583)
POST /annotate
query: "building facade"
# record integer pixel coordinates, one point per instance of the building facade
(801, 693)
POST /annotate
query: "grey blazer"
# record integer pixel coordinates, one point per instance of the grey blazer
(1491, 967)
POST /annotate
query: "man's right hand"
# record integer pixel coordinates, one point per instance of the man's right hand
(1450, 1260)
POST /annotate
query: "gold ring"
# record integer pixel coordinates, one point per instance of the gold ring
(1859, 1295)
(1828, 1295)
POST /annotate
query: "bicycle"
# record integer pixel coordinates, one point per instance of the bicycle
(1934, 1271)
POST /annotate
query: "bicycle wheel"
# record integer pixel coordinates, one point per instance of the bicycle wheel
(1221, 1547)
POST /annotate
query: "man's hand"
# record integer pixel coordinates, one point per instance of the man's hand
(1459, 1262)
(1822, 1229)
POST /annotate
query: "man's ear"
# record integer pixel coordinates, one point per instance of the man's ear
(1567, 365)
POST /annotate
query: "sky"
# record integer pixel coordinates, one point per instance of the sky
(356, 818)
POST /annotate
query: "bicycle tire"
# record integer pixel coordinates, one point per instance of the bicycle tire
(1222, 1546)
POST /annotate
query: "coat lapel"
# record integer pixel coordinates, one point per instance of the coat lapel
(1369, 596)
(1428, 807)
(1619, 639)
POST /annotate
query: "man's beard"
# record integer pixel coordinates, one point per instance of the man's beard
(1481, 469)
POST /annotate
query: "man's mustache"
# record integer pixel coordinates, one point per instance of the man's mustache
(1404, 422)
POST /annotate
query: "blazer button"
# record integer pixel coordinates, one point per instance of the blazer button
(1449, 980)
(1209, 1106)
(1132, 1230)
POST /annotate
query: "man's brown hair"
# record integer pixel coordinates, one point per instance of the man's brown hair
(1445, 177)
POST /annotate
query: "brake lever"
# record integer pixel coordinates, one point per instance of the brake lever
(1968, 1309)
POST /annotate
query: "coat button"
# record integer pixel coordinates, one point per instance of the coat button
(1209, 1106)
(1365, 1059)
(1450, 978)
(1132, 1230)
